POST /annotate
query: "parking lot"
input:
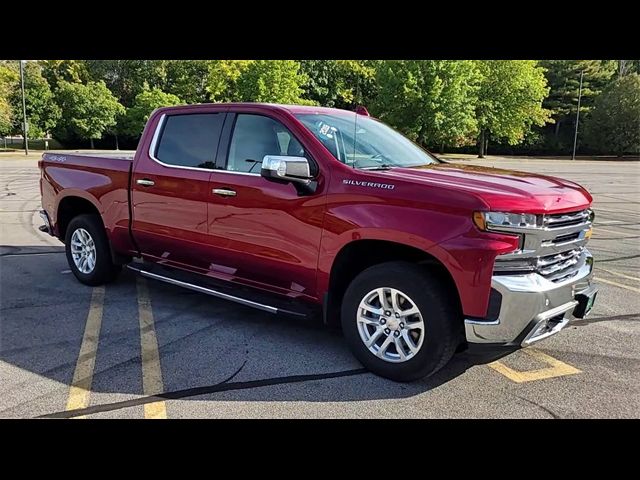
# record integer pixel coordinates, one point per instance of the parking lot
(141, 349)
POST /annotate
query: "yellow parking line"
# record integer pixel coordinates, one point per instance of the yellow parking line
(80, 390)
(616, 284)
(151, 372)
(556, 368)
(618, 274)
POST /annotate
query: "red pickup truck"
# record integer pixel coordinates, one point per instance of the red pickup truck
(301, 210)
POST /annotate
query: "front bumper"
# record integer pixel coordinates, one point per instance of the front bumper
(532, 307)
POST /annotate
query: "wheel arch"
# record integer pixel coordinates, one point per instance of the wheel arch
(356, 256)
(72, 205)
(69, 207)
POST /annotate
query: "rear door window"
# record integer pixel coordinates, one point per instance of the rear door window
(190, 140)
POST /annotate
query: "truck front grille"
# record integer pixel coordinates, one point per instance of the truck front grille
(555, 251)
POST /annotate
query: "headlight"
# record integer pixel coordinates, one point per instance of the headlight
(505, 221)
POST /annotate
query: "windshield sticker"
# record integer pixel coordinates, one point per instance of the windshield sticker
(326, 130)
(358, 183)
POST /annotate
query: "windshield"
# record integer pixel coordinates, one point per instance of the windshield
(376, 145)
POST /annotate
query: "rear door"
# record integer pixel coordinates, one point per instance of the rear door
(171, 190)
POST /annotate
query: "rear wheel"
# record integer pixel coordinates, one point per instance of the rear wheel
(88, 252)
(399, 321)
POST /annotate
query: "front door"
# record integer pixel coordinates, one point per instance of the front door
(170, 189)
(267, 235)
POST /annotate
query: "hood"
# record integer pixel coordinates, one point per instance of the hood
(502, 190)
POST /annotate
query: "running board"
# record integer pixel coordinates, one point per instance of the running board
(215, 293)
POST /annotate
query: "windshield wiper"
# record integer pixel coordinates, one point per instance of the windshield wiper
(382, 166)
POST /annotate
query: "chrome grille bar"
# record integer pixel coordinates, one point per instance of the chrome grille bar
(554, 251)
(557, 266)
(565, 219)
(560, 257)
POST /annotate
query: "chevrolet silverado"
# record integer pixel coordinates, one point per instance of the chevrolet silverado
(304, 210)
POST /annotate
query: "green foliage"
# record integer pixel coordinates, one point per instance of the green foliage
(614, 124)
(438, 103)
(126, 78)
(42, 111)
(276, 81)
(186, 79)
(510, 98)
(54, 71)
(6, 116)
(222, 79)
(145, 102)
(432, 102)
(563, 77)
(88, 111)
(8, 82)
(628, 67)
(339, 83)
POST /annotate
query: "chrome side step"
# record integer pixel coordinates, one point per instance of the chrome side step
(210, 291)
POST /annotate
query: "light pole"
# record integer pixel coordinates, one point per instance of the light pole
(25, 126)
(575, 136)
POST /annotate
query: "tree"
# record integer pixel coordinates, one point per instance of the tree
(88, 110)
(222, 79)
(430, 101)
(614, 124)
(510, 100)
(277, 81)
(339, 83)
(145, 102)
(54, 71)
(126, 78)
(563, 77)
(627, 67)
(42, 111)
(186, 79)
(8, 82)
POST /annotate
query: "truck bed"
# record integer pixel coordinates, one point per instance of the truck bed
(99, 178)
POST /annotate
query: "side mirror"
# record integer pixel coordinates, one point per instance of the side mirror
(285, 169)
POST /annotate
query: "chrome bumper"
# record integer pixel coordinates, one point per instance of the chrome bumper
(47, 224)
(532, 307)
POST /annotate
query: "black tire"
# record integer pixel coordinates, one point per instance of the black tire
(437, 306)
(105, 270)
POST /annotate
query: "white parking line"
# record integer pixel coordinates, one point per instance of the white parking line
(617, 274)
(597, 229)
(616, 284)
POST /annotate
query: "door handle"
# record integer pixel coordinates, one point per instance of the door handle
(225, 192)
(145, 182)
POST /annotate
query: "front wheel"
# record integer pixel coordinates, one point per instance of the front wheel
(399, 321)
(88, 252)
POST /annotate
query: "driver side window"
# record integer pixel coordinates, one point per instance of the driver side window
(255, 136)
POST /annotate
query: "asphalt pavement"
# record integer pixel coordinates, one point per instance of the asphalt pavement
(141, 349)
